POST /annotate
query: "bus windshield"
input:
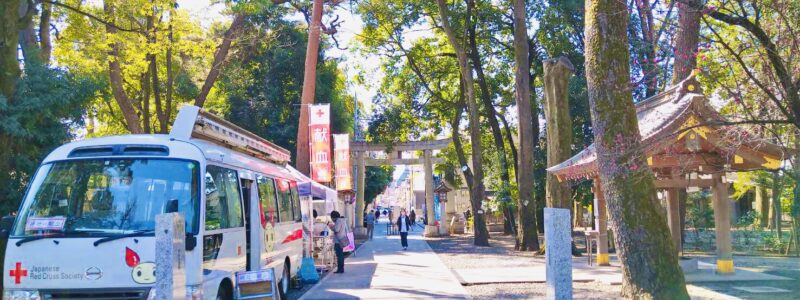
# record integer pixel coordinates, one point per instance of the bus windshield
(108, 196)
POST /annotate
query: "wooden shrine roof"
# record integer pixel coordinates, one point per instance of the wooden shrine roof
(682, 133)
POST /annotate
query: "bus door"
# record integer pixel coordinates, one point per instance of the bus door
(253, 223)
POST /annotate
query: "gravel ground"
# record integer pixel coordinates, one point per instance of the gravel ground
(458, 252)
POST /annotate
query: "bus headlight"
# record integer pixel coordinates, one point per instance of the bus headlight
(21, 295)
(152, 294)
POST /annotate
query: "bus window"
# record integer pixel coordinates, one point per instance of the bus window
(266, 193)
(284, 200)
(223, 203)
(295, 202)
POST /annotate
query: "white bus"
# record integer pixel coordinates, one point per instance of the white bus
(85, 229)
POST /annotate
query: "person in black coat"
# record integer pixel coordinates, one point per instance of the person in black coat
(413, 216)
(403, 226)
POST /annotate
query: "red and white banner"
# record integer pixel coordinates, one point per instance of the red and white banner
(341, 160)
(319, 129)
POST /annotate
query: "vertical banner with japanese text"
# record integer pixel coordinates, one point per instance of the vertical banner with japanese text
(319, 127)
(341, 160)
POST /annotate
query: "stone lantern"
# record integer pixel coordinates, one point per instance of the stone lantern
(441, 192)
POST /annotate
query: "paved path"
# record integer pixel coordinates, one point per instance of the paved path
(382, 270)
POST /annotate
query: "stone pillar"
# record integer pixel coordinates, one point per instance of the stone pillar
(674, 217)
(170, 257)
(430, 229)
(362, 173)
(601, 223)
(722, 225)
(558, 251)
(444, 222)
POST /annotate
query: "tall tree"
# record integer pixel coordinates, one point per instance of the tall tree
(649, 267)
(309, 84)
(477, 193)
(528, 237)
(486, 96)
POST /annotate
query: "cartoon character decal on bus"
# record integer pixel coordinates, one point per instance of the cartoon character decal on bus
(142, 272)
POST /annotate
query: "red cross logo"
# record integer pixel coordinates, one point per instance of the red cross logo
(320, 113)
(18, 273)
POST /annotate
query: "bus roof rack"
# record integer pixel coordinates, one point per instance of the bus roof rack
(194, 122)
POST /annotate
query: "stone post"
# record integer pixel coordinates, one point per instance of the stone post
(558, 251)
(722, 225)
(170, 264)
(601, 223)
(557, 73)
(359, 208)
(674, 218)
(430, 229)
(444, 223)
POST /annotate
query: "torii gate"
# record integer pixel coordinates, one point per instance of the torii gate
(360, 148)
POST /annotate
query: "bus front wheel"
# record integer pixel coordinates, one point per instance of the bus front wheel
(224, 292)
(283, 289)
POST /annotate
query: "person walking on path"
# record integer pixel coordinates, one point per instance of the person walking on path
(370, 220)
(339, 238)
(413, 217)
(377, 215)
(403, 225)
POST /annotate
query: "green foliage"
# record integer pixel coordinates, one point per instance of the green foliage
(46, 111)
(264, 80)
(376, 181)
(699, 214)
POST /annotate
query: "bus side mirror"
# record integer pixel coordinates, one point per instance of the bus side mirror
(172, 206)
(5, 226)
(191, 242)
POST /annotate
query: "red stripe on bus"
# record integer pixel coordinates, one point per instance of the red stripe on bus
(296, 235)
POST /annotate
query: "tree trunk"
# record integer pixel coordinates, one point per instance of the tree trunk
(477, 193)
(649, 66)
(45, 45)
(777, 213)
(686, 39)
(115, 78)
(170, 77)
(649, 267)
(145, 104)
(9, 35)
(557, 73)
(456, 123)
(510, 140)
(528, 237)
(762, 206)
(303, 162)
(160, 114)
(220, 58)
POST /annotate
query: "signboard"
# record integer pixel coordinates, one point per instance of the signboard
(320, 142)
(258, 284)
(341, 149)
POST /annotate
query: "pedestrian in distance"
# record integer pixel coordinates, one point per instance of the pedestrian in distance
(413, 216)
(403, 226)
(377, 215)
(370, 220)
(340, 239)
